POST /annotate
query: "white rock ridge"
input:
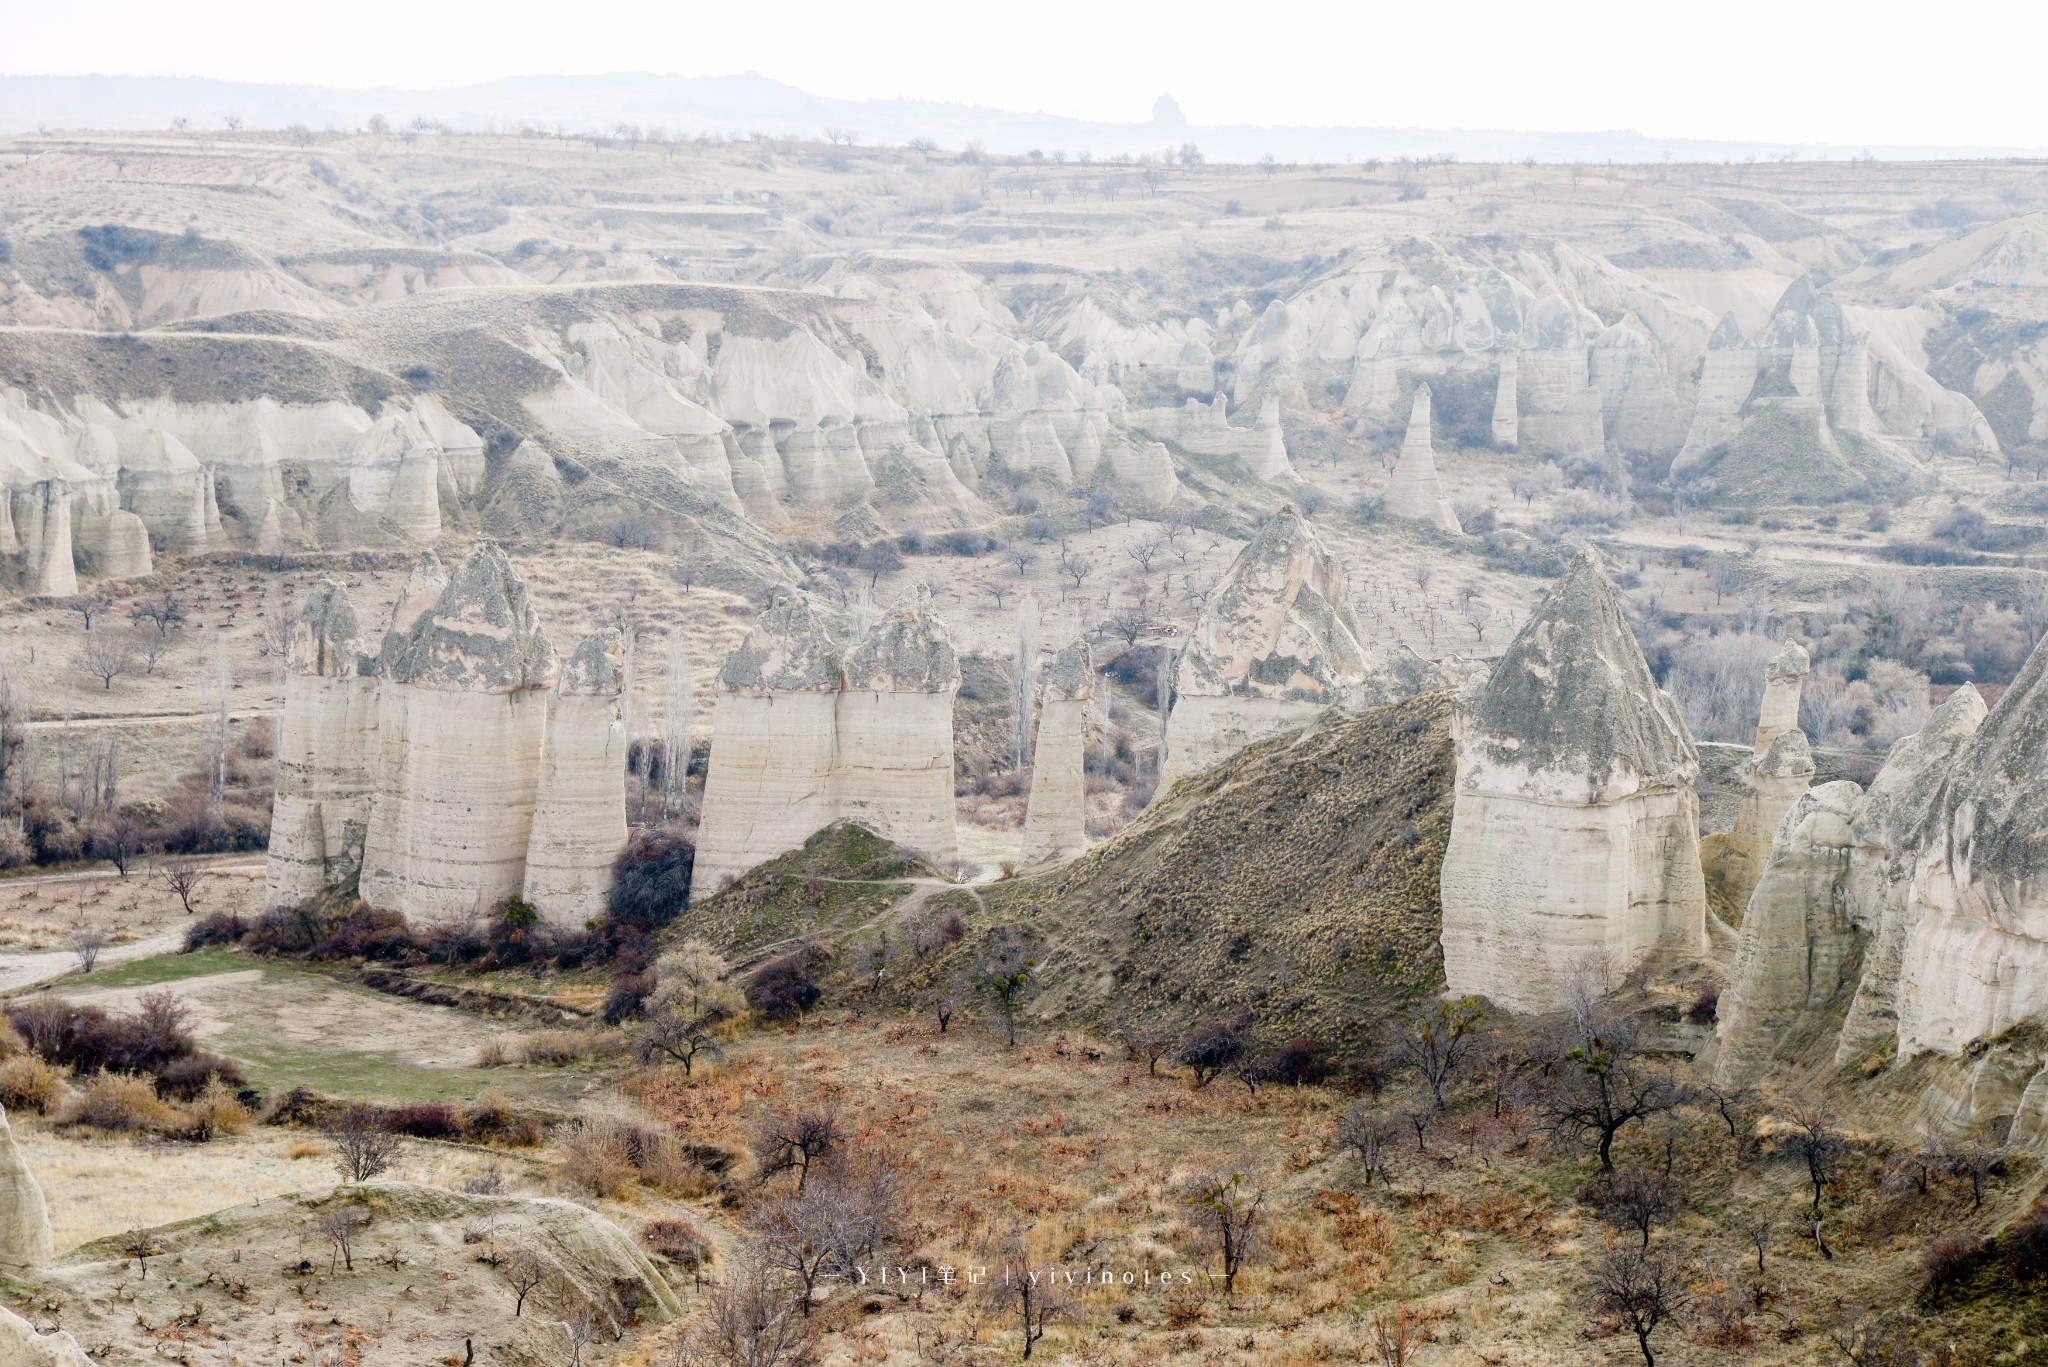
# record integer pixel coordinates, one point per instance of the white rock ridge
(1055, 820)
(1275, 644)
(808, 731)
(22, 1346)
(1414, 491)
(1574, 834)
(447, 767)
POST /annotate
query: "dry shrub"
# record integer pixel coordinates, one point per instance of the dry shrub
(495, 1118)
(1949, 1259)
(216, 1112)
(29, 1084)
(678, 1240)
(596, 1161)
(306, 1148)
(121, 1102)
(495, 1053)
(556, 1048)
(12, 1045)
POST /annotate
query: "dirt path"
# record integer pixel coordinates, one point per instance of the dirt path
(26, 970)
(926, 889)
(93, 875)
(145, 719)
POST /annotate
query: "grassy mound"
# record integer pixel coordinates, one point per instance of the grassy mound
(841, 878)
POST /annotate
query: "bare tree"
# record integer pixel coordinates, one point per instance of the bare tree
(1397, 1334)
(750, 1321)
(164, 611)
(1640, 1198)
(1973, 1161)
(832, 1227)
(1644, 1291)
(1016, 1289)
(1604, 1084)
(1368, 1134)
(151, 647)
(1129, 623)
(1816, 1143)
(1145, 551)
(1228, 1212)
(90, 605)
(794, 1141)
(1023, 557)
(85, 944)
(945, 1000)
(274, 627)
(363, 1145)
(1075, 567)
(106, 657)
(1150, 1038)
(1438, 1041)
(340, 1227)
(1877, 1339)
(525, 1270)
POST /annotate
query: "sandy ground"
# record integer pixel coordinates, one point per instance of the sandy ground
(44, 911)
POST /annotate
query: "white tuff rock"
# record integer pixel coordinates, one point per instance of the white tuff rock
(579, 814)
(1574, 834)
(1414, 491)
(24, 1216)
(1275, 644)
(1055, 822)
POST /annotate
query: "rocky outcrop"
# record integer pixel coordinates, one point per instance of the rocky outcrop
(22, 1346)
(1414, 491)
(807, 732)
(447, 768)
(1976, 955)
(1799, 947)
(1205, 430)
(326, 760)
(579, 814)
(1275, 644)
(25, 1242)
(463, 705)
(1772, 781)
(1784, 681)
(1575, 831)
(1055, 820)
(1887, 829)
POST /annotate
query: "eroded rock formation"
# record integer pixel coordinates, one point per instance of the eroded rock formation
(22, 1346)
(448, 768)
(1276, 643)
(25, 1242)
(1414, 490)
(1055, 821)
(1779, 770)
(809, 731)
(1575, 832)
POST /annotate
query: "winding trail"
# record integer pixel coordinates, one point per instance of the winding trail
(925, 890)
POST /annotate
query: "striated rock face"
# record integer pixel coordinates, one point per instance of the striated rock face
(807, 733)
(1887, 828)
(1976, 955)
(1784, 680)
(1772, 781)
(1055, 822)
(462, 715)
(24, 1216)
(1799, 944)
(1575, 832)
(579, 814)
(1275, 644)
(326, 764)
(1414, 490)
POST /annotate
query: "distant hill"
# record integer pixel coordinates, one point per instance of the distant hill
(748, 103)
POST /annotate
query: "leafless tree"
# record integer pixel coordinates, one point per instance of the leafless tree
(1032, 1296)
(1368, 1134)
(1640, 1197)
(1478, 615)
(363, 1145)
(1438, 1042)
(1150, 1038)
(1817, 1144)
(274, 627)
(85, 944)
(117, 837)
(1129, 623)
(1145, 551)
(1397, 1334)
(1229, 1213)
(1757, 1231)
(1076, 568)
(106, 657)
(1604, 1083)
(340, 1227)
(1643, 1290)
(1877, 1339)
(90, 605)
(795, 1141)
(997, 590)
(1973, 1161)
(164, 611)
(1023, 557)
(832, 1227)
(750, 1321)
(525, 1270)
(945, 1000)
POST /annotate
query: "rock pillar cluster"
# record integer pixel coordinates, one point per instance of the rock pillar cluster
(809, 731)
(456, 766)
(1574, 834)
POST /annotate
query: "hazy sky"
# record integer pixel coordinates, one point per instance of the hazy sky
(1965, 71)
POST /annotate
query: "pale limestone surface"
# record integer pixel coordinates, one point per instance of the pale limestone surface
(25, 1242)
(579, 814)
(1976, 956)
(22, 1346)
(1784, 680)
(464, 698)
(326, 770)
(1275, 644)
(1772, 781)
(807, 732)
(1574, 834)
(1798, 945)
(1880, 877)
(1055, 821)
(1414, 491)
